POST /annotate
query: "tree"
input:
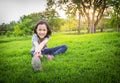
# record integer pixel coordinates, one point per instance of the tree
(17, 31)
(11, 26)
(25, 26)
(71, 10)
(92, 9)
(116, 15)
(52, 16)
(3, 28)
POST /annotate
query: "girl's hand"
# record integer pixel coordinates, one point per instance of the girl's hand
(38, 54)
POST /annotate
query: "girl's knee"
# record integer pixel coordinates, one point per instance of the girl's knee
(65, 47)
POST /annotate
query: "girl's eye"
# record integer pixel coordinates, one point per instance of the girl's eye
(42, 29)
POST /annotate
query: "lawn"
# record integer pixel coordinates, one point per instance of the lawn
(90, 58)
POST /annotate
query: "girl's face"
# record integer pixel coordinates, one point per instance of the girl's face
(41, 30)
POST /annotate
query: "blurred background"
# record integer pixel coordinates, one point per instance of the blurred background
(18, 17)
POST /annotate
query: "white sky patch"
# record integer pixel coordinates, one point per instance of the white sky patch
(12, 10)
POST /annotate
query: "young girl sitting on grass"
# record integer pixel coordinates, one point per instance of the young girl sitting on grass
(40, 39)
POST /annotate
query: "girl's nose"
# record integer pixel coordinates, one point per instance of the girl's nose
(41, 31)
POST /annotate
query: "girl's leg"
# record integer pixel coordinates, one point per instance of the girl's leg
(55, 51)
(36, 62)
(60, 49)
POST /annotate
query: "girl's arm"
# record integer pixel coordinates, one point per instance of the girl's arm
(39, 47)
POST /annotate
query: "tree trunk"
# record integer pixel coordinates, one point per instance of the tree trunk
(118, 24)
(101, 29)
(79, 24)
(92, 24)
(91, 28)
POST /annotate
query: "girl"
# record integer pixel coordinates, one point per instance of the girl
(40, 39)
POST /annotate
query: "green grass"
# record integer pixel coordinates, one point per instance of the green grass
(90, 58)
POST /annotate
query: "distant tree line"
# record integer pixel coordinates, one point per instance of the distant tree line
(26, 24)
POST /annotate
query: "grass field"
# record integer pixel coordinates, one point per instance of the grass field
(90, 58)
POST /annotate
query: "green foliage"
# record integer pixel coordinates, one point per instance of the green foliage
(17, 31)
(104, 24)
(27, 23)
(114, 20)
(93, 58)
(54, 24)
(9, 33)
(3, 28)
(6, 28)
(115, 4)
(70, 24)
